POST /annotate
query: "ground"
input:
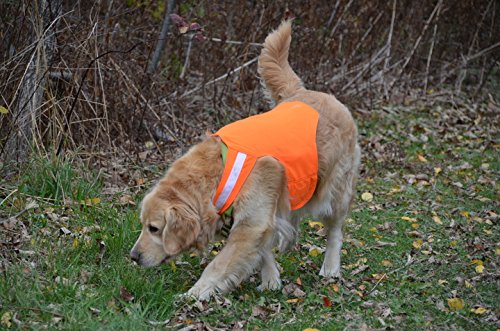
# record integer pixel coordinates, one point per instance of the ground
(421, 247)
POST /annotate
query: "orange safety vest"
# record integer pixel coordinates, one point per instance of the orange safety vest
(287, 133)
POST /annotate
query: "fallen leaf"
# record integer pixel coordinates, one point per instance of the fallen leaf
(367, 196)
(477, 262)
(409, 219)
(335, 288)
(468, 284)
(421, 158)
(359, 269)
(127, 199)
(6, 319)
(173, 266)
(314, 224)
(326, 302)
(437, 220)
(102, 250)
(298, 293)
(465, 214)
(386, 263)
(418, 243)
(294, 300)
(298, 281)
(125, 295)
(456, 303)
(437, 171)
(479, 310)
(314, 252)
(480, 269)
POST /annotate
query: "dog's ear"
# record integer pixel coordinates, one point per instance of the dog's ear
(181, 229)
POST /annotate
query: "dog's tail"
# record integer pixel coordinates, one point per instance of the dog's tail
(277, 76)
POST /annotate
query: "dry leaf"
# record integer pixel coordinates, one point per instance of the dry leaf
(367, 196)
(326, 302)
(418, 243)
(335, 288)
(480, 269)
(477, 262)
(409, 219)
(6, 319)
(437, 220)
(479, 310)
(314, 224)
(314, 252)
(387, 263)
(456, 303)
(125, 295)
(421, 158)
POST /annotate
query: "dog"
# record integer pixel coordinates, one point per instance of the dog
(180, 214)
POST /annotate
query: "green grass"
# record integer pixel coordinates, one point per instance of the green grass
(397, 273)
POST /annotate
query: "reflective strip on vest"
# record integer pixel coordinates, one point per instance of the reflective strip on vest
(236, 170)
(231, 180)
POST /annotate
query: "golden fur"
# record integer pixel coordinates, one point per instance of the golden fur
(178, 214)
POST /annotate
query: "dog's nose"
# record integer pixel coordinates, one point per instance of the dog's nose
(135, 256)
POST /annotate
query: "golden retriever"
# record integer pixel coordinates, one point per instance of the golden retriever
(178, 214)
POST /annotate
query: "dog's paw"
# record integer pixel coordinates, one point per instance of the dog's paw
(330, 272)
(202, 293)
(272, 285)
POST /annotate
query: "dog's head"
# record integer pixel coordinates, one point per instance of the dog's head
(169, 227)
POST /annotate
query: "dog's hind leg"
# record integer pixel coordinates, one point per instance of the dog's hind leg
(342, 199)
(331, 264)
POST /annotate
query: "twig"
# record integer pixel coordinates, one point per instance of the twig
(430, 51)
(332, 15)
(145, 102)
(8, 196)
(389, 43)
(161, 40)
(32, 204)
(186, 61)
(236, 42)
(417, 43)
(408, 262)
(37, 310)
(346, 8)
(246, 64)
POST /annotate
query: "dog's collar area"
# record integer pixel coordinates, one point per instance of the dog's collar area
(227, 216)
(227, 222)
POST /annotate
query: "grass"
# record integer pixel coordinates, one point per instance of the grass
(421, 254)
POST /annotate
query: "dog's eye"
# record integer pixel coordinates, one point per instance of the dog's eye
(153, 229)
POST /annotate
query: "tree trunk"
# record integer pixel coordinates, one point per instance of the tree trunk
(30, 92)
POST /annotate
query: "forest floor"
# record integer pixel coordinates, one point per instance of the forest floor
(421, 248)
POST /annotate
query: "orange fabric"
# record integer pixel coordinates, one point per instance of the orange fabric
(288, 133)
(247, 167)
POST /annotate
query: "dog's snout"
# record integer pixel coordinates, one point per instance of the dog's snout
(135, 256)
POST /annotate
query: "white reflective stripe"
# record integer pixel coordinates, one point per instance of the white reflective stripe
(231, 180)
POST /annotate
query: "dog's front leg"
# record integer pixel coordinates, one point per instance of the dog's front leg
(235, 262)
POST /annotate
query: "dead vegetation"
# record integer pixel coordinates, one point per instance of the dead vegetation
(74, 75)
